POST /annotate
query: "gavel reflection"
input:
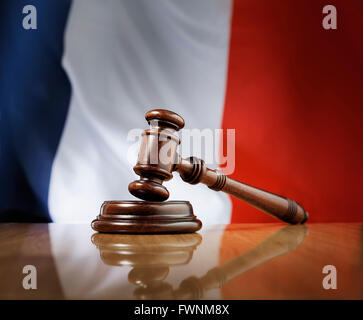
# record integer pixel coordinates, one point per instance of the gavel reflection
(151, 257)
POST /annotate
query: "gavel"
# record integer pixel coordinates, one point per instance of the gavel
(158, 158)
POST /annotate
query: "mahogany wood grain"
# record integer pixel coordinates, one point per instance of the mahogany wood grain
(155, 165)
(151, 261)
(238, 261)
(193, 170)
(146, 217)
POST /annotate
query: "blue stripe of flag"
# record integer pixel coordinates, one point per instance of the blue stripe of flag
(34, 100)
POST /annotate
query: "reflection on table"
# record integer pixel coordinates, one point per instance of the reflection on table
(151, 260)
(247, 261)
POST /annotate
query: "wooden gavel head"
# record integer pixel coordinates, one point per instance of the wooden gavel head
(158, 158)
(157, 155)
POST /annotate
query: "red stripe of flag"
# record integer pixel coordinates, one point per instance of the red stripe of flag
(294, 95)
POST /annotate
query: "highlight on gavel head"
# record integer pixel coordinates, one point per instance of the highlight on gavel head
(157, 155)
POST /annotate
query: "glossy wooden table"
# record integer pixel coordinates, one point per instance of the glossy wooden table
(247, 261)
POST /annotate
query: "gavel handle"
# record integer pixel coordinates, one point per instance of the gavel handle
(193, 170)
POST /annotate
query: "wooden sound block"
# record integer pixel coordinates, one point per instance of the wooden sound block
(146, 217)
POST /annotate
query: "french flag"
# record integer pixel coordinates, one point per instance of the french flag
(72, 89)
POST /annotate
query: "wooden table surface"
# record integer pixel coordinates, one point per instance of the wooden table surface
(240, 261)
